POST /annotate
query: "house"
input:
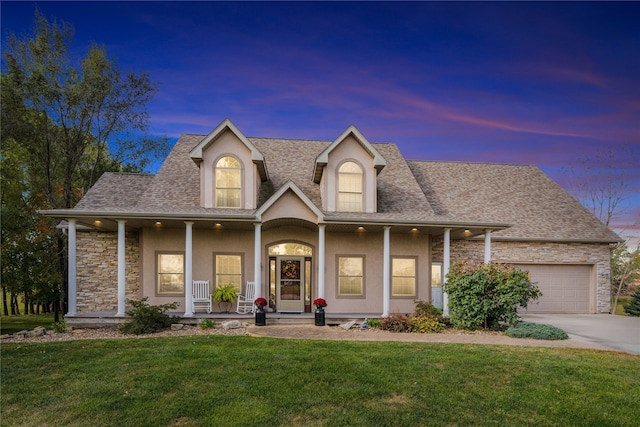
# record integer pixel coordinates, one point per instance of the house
(348, 220)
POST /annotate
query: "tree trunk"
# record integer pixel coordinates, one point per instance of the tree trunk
(5, 307)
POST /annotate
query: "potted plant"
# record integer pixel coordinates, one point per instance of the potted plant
(225, 294)
(320, 304)
(261, 318)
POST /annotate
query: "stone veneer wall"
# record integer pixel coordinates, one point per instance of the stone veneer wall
(597, 254)
(97, 270)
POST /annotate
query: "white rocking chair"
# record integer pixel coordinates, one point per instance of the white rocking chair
(201, 295)
(245, 302)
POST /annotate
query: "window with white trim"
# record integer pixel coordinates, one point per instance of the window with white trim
(170, 273)
(229, 271)
(350, 187)
(403, 277)
(228, 183)
(350, 276)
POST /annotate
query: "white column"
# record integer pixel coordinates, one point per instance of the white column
(188, 270)
(321, 261)
(445, 269)
(487, 246)
(71, 274)
(386, 274)
(121, 269)
(257, 259)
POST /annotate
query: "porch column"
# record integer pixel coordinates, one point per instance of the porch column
(121, 269)
(386, 274)
(321, 261)
(188, 270)
(257, 259)
(445, 270)
(487, 246)
(71, 294)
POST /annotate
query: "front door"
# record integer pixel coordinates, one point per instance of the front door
(290, 284)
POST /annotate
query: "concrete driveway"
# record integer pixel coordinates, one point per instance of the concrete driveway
(620, 333)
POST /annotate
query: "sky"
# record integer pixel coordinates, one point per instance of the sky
(551, 84)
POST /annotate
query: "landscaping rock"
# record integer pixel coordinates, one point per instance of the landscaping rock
(78, 331)
(232, 324)
(37, 332)
(347, 325)
(5, 336)
(23, 333)
(177, 326)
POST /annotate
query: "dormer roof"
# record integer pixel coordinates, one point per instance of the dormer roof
(323, 158)
(256, 155)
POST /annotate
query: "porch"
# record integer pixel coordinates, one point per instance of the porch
(106, 319)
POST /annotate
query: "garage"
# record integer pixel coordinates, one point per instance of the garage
(565, 288)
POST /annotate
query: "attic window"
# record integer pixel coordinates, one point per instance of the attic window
(228, 183)
(350, 187)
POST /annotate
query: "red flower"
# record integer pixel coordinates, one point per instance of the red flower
(319, 302)
(260, 302)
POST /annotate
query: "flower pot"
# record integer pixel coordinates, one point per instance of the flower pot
(319, 316)
(261, 317)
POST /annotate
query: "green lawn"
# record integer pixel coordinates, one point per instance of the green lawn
(12, 324)
(245, 381)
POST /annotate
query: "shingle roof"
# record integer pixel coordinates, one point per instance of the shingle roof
(420, 191)
(522, 195)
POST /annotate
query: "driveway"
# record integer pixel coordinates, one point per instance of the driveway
(620, 333)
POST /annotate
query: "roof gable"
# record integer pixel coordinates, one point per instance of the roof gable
(227, 125)
(278, 195)
(323, 158)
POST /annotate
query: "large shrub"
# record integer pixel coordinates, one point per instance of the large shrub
(146, 318)
(482, 295)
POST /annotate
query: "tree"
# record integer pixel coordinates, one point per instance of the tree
(633, 308)
(483, 295)
(625, 270)
(601, 185)
(74, 119)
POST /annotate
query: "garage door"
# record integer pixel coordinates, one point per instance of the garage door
(565, 288)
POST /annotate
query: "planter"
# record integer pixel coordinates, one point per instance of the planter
(261, 317)
(319, 316)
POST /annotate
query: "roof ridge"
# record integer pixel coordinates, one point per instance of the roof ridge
(473, 163)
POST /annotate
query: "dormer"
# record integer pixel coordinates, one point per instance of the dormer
(347, 172)
(231, 169)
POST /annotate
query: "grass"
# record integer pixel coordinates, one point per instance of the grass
(247, 381)
(13, 324)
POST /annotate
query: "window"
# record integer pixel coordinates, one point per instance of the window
(170, 268)
(403, 277)
(229, 271)
(350, 276)
(350, 187)
(228, 183)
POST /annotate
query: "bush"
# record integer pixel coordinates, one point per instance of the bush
(536, 331)
(146, 319)
(207, 324)
(483, 295)
(633, 308)
(397, 323)
(426, 325)
(60, 326)
(374, 323)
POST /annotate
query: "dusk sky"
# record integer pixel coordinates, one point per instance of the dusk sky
(528, 83)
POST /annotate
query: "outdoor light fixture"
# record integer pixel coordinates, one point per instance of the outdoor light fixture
(361, 228)
(97, 222)
(158, 223)
(467, 231)
(414, 230)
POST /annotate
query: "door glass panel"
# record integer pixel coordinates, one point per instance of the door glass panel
(290, 286)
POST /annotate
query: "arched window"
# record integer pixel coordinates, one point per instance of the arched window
(350, 187)
(228, 183)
